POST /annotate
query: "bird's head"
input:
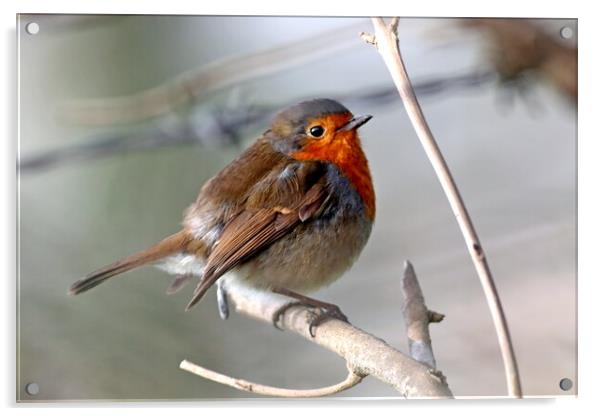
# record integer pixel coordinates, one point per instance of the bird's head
(325, 130)
(321, 127)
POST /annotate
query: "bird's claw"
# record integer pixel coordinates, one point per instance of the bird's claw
(325, 313)
(281, 310)
(321, 314)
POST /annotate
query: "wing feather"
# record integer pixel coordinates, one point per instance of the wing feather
(274, 209)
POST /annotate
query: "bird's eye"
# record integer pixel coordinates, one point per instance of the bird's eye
(316, 131)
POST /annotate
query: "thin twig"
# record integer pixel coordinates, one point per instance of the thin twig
(364, 353)
(386, 43)
(418, 318)
(350, 381)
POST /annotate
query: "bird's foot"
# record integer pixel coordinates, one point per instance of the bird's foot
(276, 316)
(329, 311)
(323, 311)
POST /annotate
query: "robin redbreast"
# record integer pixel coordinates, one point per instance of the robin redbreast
(290, 215)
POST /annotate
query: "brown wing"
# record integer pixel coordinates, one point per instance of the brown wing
(274, 207)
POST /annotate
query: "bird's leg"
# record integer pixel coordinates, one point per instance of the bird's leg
(326, 310)
(222, 300)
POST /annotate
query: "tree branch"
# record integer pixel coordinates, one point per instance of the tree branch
(365, 354)
(417, 318)
(385, 40)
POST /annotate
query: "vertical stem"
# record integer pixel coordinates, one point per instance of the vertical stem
(385, 38)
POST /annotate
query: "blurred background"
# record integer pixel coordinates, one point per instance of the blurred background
(123, 118)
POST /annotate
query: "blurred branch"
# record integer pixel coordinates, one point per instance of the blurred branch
(105, 145)
(365, 354)
(222, 125)
(519, 47)
(215, 75)
(418, 318)
(352, 380)
(386, 42)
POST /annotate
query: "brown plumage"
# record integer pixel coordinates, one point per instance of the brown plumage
(291, 213)
(163, 248)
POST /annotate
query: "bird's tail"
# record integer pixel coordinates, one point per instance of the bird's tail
(170, 245)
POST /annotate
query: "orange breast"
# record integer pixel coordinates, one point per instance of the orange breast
(345, 151)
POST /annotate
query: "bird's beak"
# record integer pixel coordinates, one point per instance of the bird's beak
(355, 123)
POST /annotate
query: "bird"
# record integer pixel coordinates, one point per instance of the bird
(290, 215)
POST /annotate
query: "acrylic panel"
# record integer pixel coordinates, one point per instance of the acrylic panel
(122, 119)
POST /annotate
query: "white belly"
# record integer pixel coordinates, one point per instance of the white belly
(182, 264)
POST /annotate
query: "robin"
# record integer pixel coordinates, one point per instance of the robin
(290, 215)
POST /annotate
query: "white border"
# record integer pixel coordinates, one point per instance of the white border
(589, 192)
